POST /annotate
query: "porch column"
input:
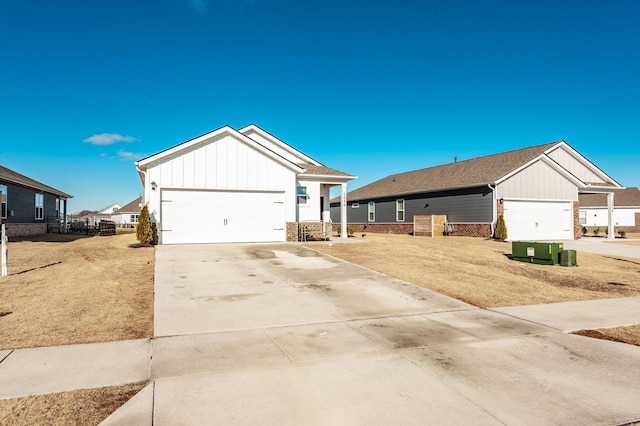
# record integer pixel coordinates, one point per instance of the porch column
(64, 216)
(343, 210)
(612, 234)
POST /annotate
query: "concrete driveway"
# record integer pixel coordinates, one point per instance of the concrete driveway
(279, 334)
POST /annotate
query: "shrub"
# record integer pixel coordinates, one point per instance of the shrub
(584, 230)
(500, 232)
(596, 231)
(144, 230)
(349, 231)
(622, 233)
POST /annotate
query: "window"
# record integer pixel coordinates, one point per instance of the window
(355, 205)
(400, 210)
(582, 217)
(301, 193)
(39, 206)
(3, 201)
(372, 211)
(134, 218)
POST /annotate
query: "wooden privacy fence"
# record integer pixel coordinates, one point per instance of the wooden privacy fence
(429, 225)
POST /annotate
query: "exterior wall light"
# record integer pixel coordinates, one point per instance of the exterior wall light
(154, 186)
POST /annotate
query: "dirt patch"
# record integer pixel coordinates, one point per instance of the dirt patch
(81, 407)
(67, 289)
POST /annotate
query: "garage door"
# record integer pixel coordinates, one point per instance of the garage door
(538, 220)
(221, 216)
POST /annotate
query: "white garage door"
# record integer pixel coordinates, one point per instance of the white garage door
(538, 220)
(189, 216)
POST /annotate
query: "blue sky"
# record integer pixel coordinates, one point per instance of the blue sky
(367, 87)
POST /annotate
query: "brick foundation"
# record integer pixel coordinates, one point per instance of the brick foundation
(25, 229)
(482, 230)
(307, 231)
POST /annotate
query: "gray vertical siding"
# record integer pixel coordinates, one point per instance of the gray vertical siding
(22, 201)
(474, 205)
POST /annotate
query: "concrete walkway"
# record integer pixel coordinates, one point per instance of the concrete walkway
(278, 334)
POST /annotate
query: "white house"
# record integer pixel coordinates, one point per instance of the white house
(626, 210)
(232, 185)
(127, 216)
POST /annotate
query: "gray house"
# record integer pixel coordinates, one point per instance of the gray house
(535, 188)
(29, 207)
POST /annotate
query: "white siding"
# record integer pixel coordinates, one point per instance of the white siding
(274, 147)
(225, 163)
(539, 181)
(575, 167)
(621, 216)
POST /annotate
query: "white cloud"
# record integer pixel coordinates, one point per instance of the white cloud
(199, 6)
(130, 156)
(108, 139)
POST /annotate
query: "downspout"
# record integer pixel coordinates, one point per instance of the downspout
(494, 209)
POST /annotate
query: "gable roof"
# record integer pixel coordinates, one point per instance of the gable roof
(462, 174)
(627, 197)
(131, 207)
(480, 171)
(8, 175)
(288, 156)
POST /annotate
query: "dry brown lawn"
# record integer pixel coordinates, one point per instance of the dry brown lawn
(479, 271)
(66, 289)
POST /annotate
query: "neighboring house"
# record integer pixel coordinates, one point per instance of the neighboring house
(127, 216)
(29, 207)
(237, 186)
(626, 210)
(535, 188)
(105, 214)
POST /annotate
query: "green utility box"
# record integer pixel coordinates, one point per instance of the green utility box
(540, 253)
(568, 258)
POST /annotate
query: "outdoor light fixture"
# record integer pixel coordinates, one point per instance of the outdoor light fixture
(154, 185)
(501, 200)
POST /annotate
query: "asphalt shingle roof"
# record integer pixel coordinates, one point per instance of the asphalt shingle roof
(131, 207)
(312, 169)
(474, 172)
(628, 197)
(8, 175)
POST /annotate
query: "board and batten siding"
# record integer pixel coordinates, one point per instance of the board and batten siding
(225, 163)
(575, 167)
(539, 181)
(474, 205)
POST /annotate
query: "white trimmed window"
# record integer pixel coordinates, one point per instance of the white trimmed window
(301, 193)
(355, 205)
(400, 210)
(582, 217)
(372, 211)
(3, 201)
(134, 218)
(39, 206)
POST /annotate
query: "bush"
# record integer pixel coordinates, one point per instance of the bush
(584, 230)
(144, 230)
(622, 233)
(349, 231)
(500, 232)
(596, 231)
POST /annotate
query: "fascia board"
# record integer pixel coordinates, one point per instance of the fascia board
(304, 158)
(226, 130)
(332, 178)
(422, 191)
(584, 161)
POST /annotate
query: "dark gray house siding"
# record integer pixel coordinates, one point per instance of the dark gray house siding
(21, 204)
(472, 205)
